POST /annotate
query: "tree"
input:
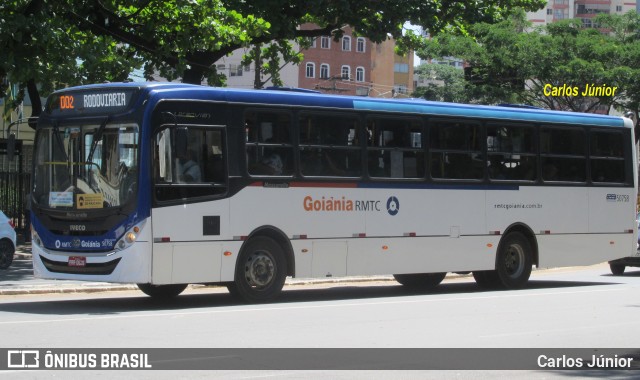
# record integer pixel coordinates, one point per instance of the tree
(448, 83)
(549, 67)
(184, 38)
(626, 34)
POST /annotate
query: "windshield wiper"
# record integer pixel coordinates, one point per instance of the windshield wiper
(59, 140)
(96, 138)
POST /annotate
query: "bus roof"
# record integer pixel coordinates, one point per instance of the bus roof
(168, 90)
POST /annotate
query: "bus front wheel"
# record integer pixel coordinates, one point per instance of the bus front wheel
(261, 271)
(162, 291)
(421, 281)
(487, 279)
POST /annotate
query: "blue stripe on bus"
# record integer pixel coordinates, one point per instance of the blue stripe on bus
(435, 186)
(396, 185)
(520, 114)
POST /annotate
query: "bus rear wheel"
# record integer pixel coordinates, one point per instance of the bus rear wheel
(261, 271)
(420, 281)
(514, 260)
(162, 291)
(617, 269)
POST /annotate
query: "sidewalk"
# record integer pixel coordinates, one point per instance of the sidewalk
(18, 279)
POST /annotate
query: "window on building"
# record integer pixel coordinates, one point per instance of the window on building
(346, 72)
(325, 42)
(401, 89)
(549, 11)
(236, 70)
(361, 45)
(346, 43)
(310, 70)
(360, 74)
(401, 68)
(324, 71)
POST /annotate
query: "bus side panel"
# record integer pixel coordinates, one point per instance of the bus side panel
(611, 209)
(427, 212)
(581, 249)
(558, 210)
(421, 254)
(315, 212)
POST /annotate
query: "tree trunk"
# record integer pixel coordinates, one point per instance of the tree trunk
(36, 103)
(193, 75)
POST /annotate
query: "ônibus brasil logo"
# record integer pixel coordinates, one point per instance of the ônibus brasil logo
(331, 204)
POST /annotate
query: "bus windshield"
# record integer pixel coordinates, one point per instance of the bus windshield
(85, 166)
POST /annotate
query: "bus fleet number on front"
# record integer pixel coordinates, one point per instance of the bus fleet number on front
(66, 102)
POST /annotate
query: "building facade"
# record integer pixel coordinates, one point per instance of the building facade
(355, 66)
(584, 10)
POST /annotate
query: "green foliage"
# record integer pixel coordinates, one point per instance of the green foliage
(447, 83)
(55, 43)
(509, 64)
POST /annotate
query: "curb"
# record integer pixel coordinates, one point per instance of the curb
(90, 287)
(23, 253)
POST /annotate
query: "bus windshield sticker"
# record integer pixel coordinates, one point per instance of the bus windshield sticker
(61, 199)
(90, 200)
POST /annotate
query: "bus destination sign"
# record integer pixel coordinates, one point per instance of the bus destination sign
(116, 100)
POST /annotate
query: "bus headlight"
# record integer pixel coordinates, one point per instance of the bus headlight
(129, 237)
(35, 238)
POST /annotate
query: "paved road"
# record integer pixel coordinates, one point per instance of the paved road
(563, 308)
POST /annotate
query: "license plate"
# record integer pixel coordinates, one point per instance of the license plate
(77, 261)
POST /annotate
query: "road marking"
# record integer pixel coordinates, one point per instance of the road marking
(307, 306)
(563, 330)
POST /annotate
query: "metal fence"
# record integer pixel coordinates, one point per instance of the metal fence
(14, 188)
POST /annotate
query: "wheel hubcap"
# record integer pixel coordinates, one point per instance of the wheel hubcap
(513, 261)
(260, 269)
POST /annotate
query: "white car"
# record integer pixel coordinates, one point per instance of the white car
(7, 241)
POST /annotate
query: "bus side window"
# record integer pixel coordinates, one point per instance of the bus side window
(455, 151)
(511, 152)
(269, 147)
(329, 145)
(607, 157)
(198, 172)
(394, 149)
(563, 154)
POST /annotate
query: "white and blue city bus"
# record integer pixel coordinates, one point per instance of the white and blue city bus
(164, 185)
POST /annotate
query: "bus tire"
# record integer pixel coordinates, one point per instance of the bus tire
(7, 251)
(162, 291)
(617, 269)
(421, 281)
(261, 271)
(487, 279)
(514, 260)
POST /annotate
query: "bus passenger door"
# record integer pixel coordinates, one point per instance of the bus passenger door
(190, 213)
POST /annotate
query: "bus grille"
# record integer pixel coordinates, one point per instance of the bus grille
(90, 268)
